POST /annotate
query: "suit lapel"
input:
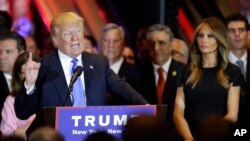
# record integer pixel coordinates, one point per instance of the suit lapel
(3, 82)
(170, 82)
(88, 68)
(122, 69)
(150, 83)
(59, 82)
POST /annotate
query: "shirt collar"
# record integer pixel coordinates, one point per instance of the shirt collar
(233, 58)
(117, 65)
(165, 66)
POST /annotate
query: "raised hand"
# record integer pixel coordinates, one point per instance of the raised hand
(31, 69)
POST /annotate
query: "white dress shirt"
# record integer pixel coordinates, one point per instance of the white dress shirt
(233, 60)
(117, 65)
(165, 67)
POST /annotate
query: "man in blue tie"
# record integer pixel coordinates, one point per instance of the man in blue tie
(237, 27)
(78, 97)
(46, 84)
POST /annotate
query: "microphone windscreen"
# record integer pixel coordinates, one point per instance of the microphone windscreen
(79, 70)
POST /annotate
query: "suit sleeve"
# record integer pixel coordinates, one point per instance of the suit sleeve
(122, 89)
(25, 105)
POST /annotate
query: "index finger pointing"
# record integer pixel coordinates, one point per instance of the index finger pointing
(30, 56)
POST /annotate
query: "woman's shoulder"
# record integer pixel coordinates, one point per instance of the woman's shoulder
(232, 69)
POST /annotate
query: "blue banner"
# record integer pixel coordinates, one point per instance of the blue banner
(76, 123)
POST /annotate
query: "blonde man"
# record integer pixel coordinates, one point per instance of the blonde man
(49, 87)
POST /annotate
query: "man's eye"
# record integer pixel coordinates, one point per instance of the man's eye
(9, 51)
(67, 35)
(231, 30)
(161, 43)
(241, 30)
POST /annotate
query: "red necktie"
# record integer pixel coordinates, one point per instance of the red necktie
(160, 85)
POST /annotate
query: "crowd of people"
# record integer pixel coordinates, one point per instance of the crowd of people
(203, 83)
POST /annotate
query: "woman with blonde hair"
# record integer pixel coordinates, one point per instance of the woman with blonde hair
(210, 85)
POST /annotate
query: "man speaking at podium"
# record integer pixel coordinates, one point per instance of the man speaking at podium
(47, 84)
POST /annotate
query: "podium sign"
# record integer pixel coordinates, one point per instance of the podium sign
(76, 123)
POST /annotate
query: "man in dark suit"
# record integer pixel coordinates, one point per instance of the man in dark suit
(5, 26)
(146, 79)
(237, 26)
(111, 44)
(49, 86)
(11, 45)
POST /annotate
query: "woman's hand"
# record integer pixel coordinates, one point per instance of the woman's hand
(30, 69)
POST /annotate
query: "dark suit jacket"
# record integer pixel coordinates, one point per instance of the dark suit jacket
(247, 81)
(4, 91)
(143, 80)
(52, 89)
(245, 98)
(125, 67)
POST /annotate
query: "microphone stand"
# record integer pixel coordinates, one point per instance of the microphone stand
(68, 95)
(76, 74)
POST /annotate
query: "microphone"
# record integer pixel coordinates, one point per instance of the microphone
(77, 73)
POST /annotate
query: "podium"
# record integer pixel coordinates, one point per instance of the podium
(78, 122)
(45, 118)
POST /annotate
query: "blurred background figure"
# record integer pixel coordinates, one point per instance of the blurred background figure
(111, 45)
(24, 26)
(129, 55)
(12, 138)
(237, 28)
(45, 134)
(5, 21)
(11, 45)
(248, 39)
(214, 128)
(31, 45)
(142, 46)
(100, 136)
(145, 128)
(180, 50)
(89, 44)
